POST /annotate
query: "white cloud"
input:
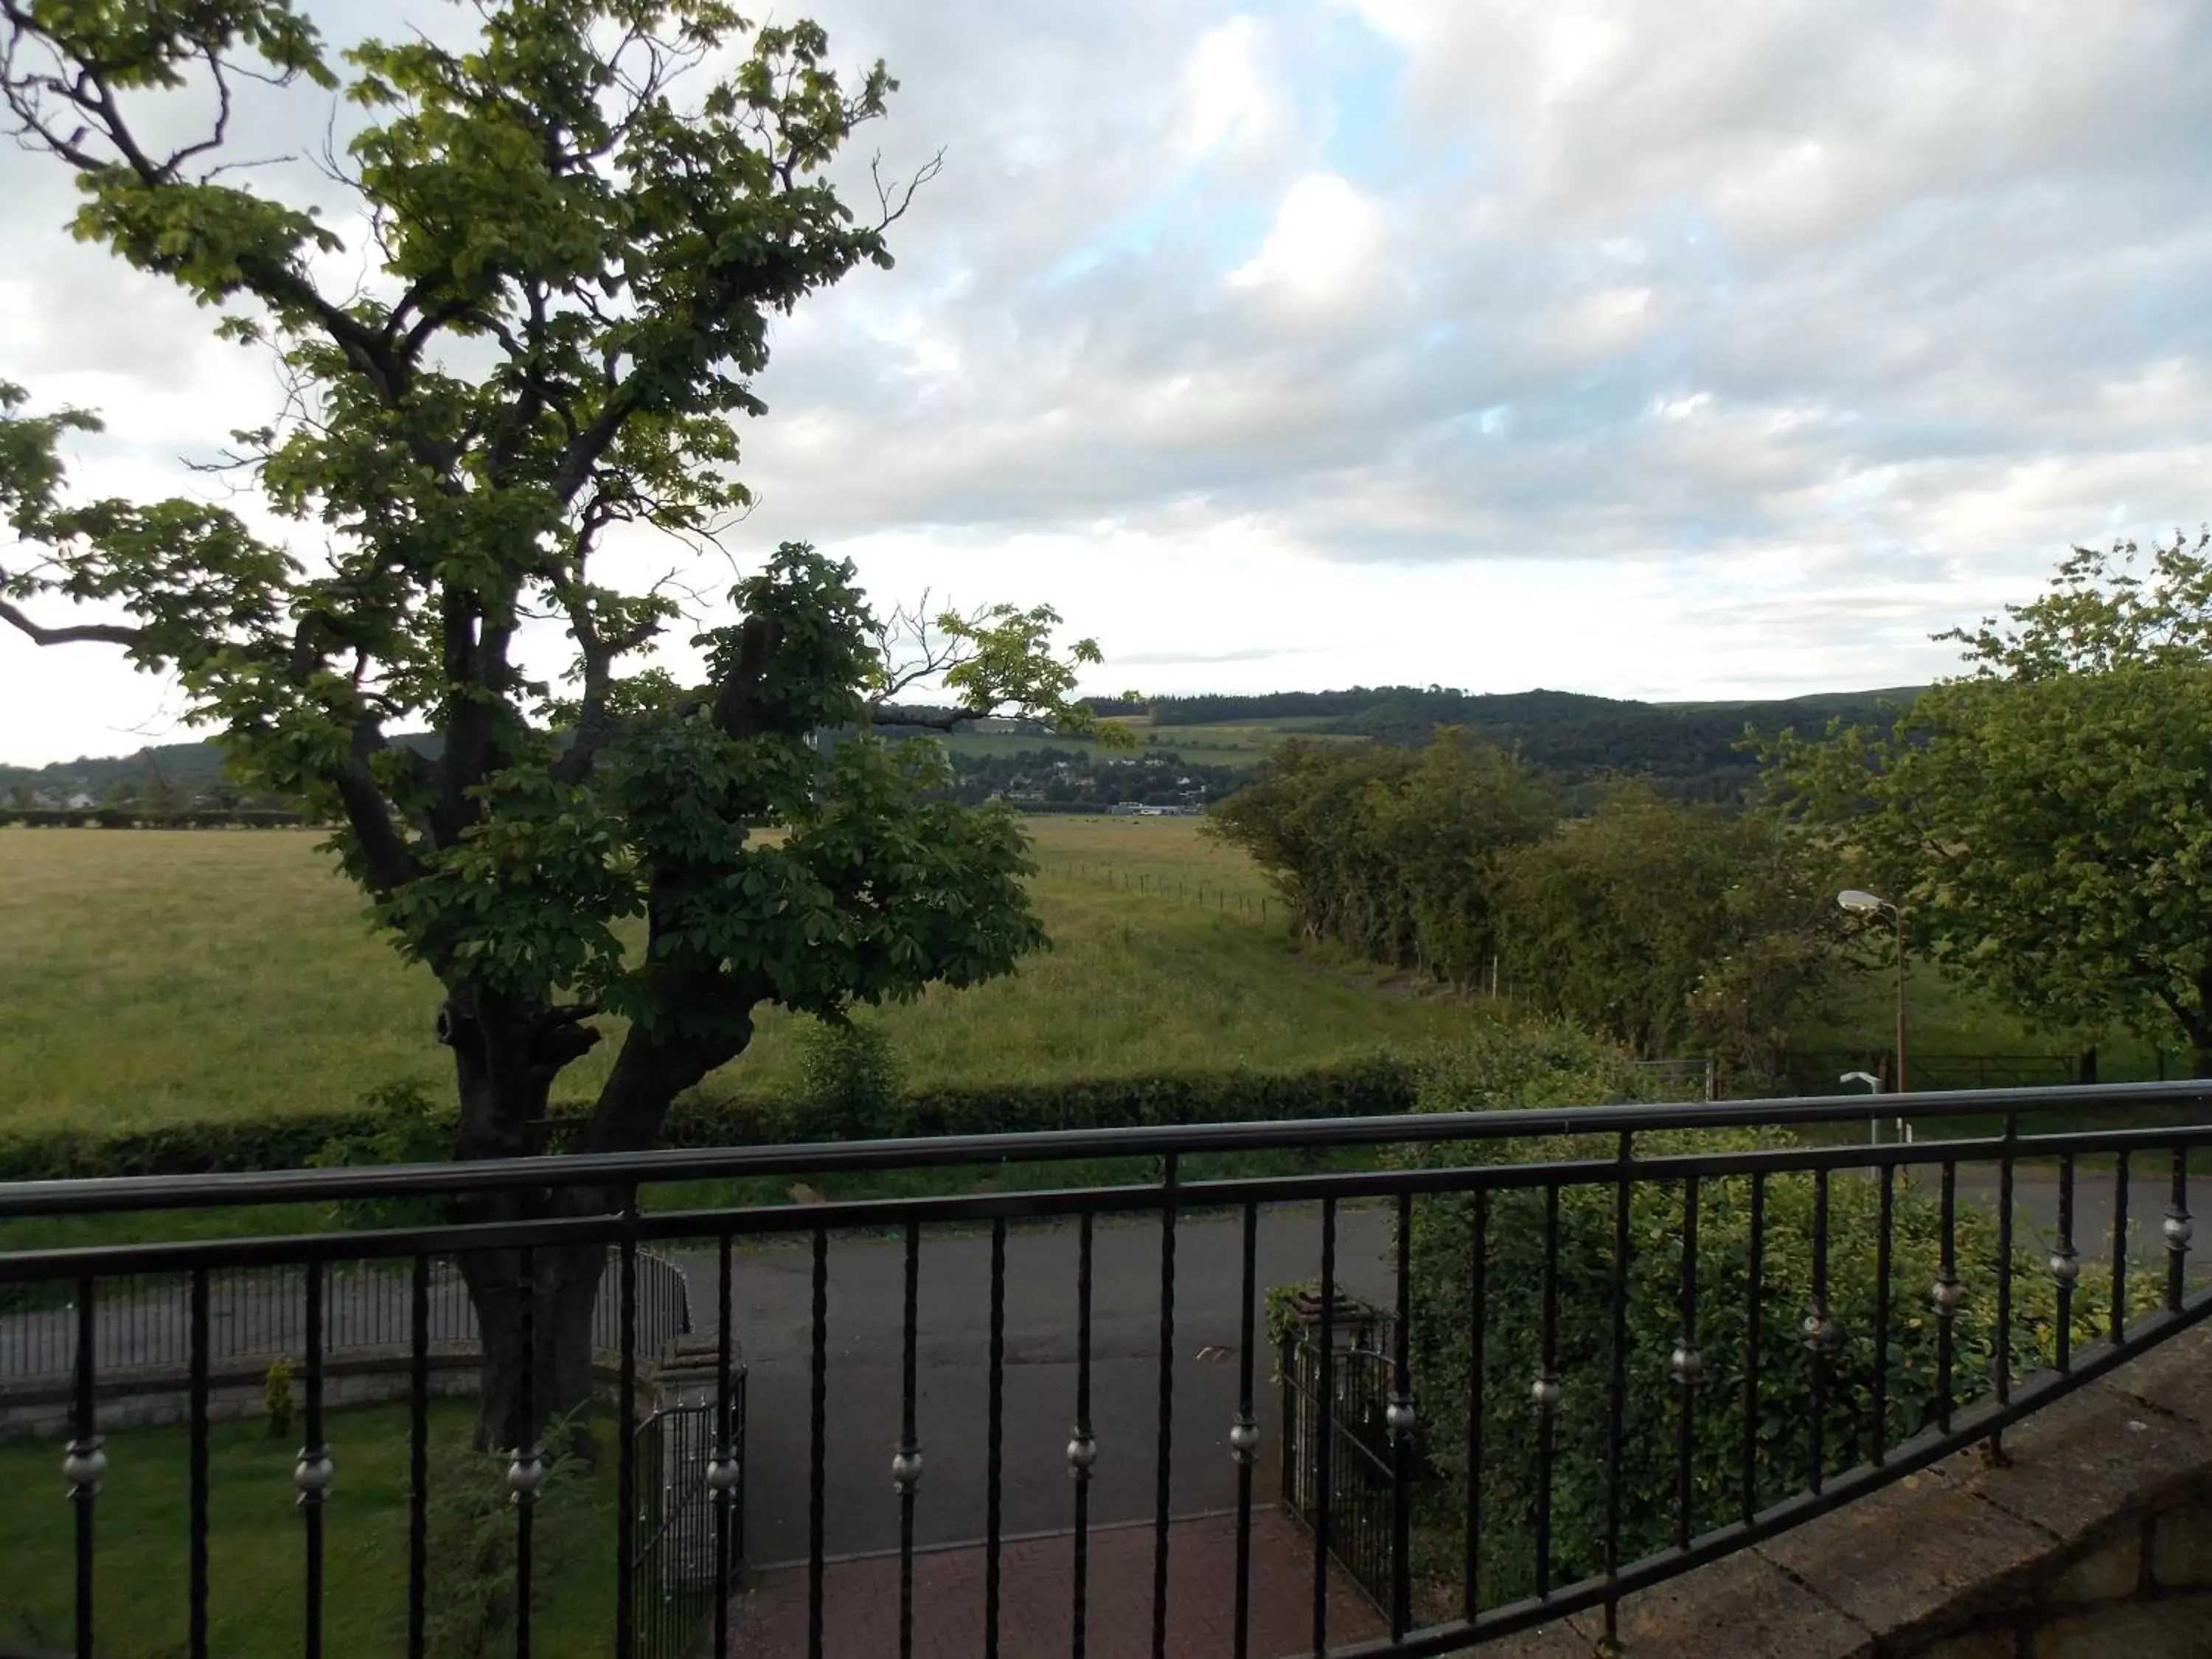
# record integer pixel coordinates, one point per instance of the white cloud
(1230, 99)
(1324, 239)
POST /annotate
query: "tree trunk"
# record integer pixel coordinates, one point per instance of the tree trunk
(563, 1287)
(506, 1057)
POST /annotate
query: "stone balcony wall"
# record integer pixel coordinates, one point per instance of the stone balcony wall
(2092, 1540)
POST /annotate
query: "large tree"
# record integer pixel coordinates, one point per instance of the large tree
(576, 232)
(2045, 820)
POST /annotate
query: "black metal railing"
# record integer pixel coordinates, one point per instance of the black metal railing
(1625, 1342)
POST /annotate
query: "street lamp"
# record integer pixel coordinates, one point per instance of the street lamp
(1862, 903)
(1874, 1087)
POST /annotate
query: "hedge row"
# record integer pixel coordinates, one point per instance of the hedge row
(131, 817)
(1366, 1088)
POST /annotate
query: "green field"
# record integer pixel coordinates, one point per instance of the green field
(150, 976)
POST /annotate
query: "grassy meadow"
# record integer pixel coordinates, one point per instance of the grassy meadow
(150, 976)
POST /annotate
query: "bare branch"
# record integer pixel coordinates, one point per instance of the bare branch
(78, 633)
(894, 199)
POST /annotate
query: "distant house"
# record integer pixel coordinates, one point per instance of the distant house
(1127, 809)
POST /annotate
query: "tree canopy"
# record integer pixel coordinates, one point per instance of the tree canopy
(2045, 820)
(1676, 929)
(576, 233)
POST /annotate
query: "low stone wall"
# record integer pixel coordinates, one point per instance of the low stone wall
(2094, 1540)
(159, 1395)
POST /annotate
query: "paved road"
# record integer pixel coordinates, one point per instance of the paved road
(772, 1300)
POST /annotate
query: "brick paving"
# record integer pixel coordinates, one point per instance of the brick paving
(860, 1598)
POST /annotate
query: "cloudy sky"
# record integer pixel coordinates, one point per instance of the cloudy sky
(1667, 349)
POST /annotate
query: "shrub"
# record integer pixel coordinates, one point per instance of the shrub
(400, 1124)
(849, 1089)
(1508, 1067)
(470, 1528)
(276, 1398)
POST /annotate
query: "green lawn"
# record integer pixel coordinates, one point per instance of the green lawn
(149, 976)
(257, 1548)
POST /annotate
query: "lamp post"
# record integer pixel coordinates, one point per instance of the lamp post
(1874, 1087)
(1866, 904)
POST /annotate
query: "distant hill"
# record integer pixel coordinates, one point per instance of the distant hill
(190, 770)
(195, 769)
(1688, 749)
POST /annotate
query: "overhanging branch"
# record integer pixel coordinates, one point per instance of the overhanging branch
(76, 634)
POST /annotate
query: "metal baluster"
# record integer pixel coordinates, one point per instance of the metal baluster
(1687, 1362)
(2119, 1249)
(1244, 1436)
(722, 1469)
(312, 1474)
(1478, 1318)
(2178, 1230)
(525, 1467)
(1398, 1417)
(994, 1452)
(1885, 1233)
(84, 1464)
(1753, 1310)
(1324, 1414)
(819, 1422)
(906, 1461)
(418, 1456)
(1544, 1393)
(1082, 1448)
(1616, 1404)
(2005, 1183)
(1164, 1457)
(196, 1623)
(626, 1437)
(1819, 1329)
(2065, 1261)
(1946, 1295)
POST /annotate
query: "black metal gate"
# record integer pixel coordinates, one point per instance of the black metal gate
(1356, 1383)
(674, 1570)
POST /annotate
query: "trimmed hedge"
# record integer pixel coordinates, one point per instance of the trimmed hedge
(131, 817)
(1360, 1089)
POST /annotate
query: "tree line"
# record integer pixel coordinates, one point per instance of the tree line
(1671, 927)
(2038, 827)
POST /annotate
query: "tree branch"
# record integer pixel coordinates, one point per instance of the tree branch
(78, 633)
(736, 710)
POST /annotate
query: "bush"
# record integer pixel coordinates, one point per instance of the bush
(471, 1533)
(402, 1125)
(849, 1089)
(276, 1398)
(1509, 1066)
